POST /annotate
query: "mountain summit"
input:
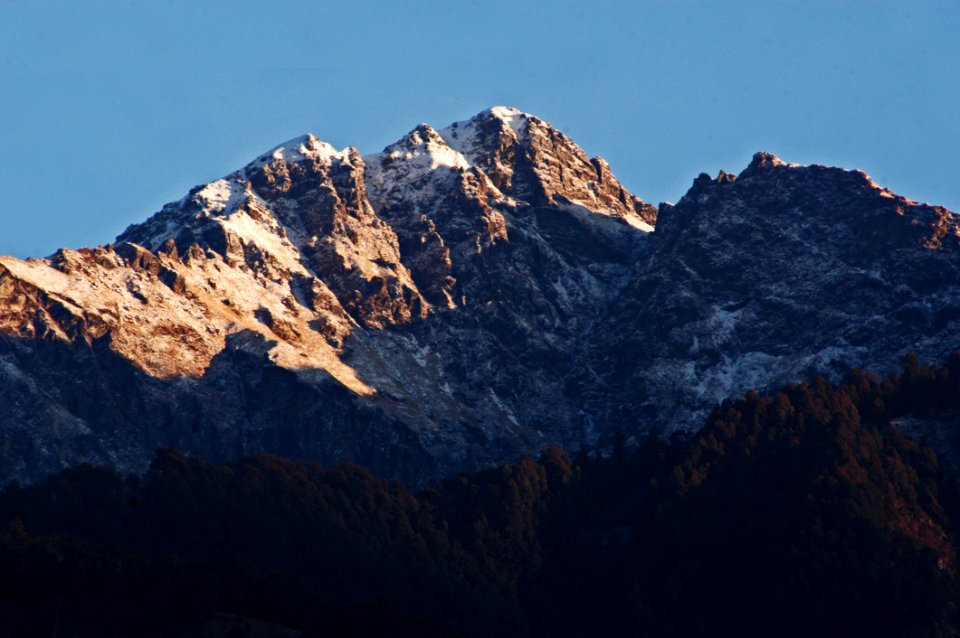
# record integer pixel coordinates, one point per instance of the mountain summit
(468, 294)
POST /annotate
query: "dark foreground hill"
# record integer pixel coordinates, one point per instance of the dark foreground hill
(805, 512)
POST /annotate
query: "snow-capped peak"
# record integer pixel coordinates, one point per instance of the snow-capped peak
(415, 168)
(514, 118)
(304, 147)
(425, 148)
(472, 137)
(223, 195)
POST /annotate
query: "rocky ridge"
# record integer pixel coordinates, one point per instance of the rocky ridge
(463, 296)
(767, 277)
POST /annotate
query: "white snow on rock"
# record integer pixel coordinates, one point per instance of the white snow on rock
(168, 334)
(420, 169)
(223, 195)
(515, 118)
(464, 136)
(422, 150)
(638, 223)
(304, 147)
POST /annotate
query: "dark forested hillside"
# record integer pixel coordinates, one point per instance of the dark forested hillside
(802, 513)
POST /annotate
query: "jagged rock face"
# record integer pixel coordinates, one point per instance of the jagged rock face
(783, 272)
(522, 281)
(437, 202)
(530, 160)
(465, 295)
(299, 210)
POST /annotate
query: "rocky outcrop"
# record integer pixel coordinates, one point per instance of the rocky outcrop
(301, 209)
(530, 160)
(437, 202)
(779, 273)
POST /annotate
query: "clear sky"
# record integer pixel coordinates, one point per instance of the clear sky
(109, 109)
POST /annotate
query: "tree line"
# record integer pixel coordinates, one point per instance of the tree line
(802, 512)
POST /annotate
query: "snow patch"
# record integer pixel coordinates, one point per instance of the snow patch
(415, 169)
(305, 147)
(722, 323)
(604, 216)
(638, 223)
(269, 240)
(733, 376)
(465, 136)
(428, 156)
(514, 118)
(223, 195)
(503, 407)
(420, 354)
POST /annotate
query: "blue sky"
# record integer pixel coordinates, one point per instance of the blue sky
(110, 109)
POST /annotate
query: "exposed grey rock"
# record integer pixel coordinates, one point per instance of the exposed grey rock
(783, 272)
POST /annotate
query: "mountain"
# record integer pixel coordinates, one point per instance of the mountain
(466, 295)
(780, 273)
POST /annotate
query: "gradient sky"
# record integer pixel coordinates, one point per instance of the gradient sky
(110, 109)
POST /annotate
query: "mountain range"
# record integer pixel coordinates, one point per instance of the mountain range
(466, 295)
